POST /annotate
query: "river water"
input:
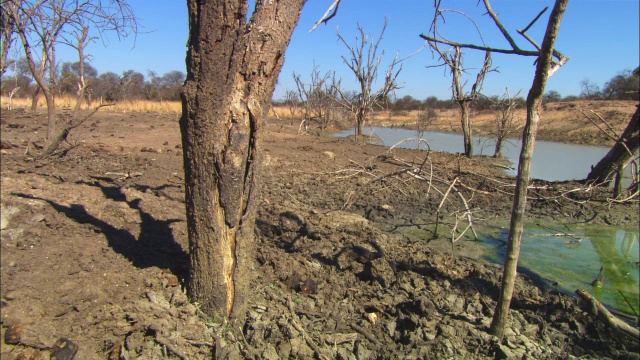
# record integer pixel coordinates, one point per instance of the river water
(566, 262)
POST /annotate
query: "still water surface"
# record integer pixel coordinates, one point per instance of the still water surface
(551, 161)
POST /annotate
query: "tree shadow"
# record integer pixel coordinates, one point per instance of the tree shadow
(154, 246)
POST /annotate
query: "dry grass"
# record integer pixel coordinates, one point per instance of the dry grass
(560, 121)
(68, 102)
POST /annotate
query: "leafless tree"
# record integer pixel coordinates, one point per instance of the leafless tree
(426, 117)
(589, 89)
(316, 97)
(16, 87)
(233, 63)
(364, 61)
(453, 60)
(293, 102)
(545, 67)
(79, 40)
(8, 36)
(45, 21)
(505, 120)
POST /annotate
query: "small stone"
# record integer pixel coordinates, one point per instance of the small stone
(391, 327)
(309, 287)
(63, 349)
(172, 280)
(13, 335)
(372, 317)
(6, 214)
(116, 349)
(37, 218)
(329, 154)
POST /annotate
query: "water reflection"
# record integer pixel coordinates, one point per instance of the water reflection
(572, 264)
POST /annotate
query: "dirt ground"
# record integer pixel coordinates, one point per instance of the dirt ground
(95, 252)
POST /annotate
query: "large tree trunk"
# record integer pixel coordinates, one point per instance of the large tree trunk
(466, 128)
(232, 68)
(620, 154)
(534, 103)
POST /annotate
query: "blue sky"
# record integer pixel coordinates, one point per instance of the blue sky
(601, 38)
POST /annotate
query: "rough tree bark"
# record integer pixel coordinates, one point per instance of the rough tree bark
(534, 104)
(232, 68)
(620, 154)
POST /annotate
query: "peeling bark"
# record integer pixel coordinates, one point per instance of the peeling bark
(232, 68)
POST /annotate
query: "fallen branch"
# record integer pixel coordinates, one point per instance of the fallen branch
(170, 347)
(62, 136)
(364, 332)
(598, 310)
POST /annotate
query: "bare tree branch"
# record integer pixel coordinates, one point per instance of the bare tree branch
(326, 17)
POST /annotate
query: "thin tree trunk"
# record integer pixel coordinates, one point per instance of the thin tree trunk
(232, 68)
(466, 128)
(498, 150)
(620, 154)
(534, 103)
(359, 123)
(35, 97)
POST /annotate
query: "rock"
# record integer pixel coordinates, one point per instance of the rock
(63, 349)
(6, 213)
(13, 335)
(157, 299)
(172, 280)
(36, 218)
(391, 327)
(329, 154)
(116, 350)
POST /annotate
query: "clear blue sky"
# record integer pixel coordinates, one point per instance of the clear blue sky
(601, 38)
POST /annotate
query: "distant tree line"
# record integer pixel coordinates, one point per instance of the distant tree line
(623, 86)
(108, 86)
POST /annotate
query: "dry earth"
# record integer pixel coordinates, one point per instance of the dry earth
(95, 252)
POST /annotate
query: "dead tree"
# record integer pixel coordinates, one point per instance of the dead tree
(233, 63)
(545, 67)
(621, 153)
(315, 97)
(45, 21)
(79, 40)
(460, 97)
(364, 61)
(8, 35)
(293, 102)
(504, 115)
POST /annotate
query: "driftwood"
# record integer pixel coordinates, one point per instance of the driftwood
(598, 310)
